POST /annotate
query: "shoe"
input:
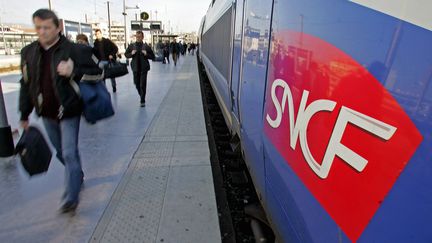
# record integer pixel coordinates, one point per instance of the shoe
(69, 207)
(142, 104)
(114, 89)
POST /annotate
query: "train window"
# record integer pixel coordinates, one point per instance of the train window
(202, 28)
(217, 46)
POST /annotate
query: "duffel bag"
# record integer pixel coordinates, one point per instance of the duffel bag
(34, 151)
(97, 101)
(115, 69)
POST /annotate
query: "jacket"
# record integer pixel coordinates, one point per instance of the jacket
(174, 47)
(109, 48)
(145, 65)
(66, 89)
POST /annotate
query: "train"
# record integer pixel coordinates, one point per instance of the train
(331, 104)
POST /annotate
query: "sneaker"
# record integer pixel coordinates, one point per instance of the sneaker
(142, 104)
(114, 89)
(69, 207)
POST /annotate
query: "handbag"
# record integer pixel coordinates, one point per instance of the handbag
(115, 69)
(97, 101)
(34, 151)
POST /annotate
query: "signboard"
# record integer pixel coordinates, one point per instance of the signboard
(146, 25)
(88, 31)
(71, 29)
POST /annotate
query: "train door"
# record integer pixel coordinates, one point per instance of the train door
(237, 58)
(255, 48)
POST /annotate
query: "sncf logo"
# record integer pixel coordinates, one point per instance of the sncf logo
(298, 128)
(328, 120)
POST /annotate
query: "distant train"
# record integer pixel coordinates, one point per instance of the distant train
(331, 101)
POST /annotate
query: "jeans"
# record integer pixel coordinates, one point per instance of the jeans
(140, 80)
(64, 137)
(102, 65)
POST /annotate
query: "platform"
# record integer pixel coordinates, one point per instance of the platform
(148, 173)
(167, 194)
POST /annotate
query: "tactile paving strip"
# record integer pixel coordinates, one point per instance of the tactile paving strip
(152, 162)
(155, 149)
(135, 210)
(136, 218)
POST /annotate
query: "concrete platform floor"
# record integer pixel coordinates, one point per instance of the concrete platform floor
(151, 189)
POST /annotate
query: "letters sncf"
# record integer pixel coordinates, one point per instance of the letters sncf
(336, 127)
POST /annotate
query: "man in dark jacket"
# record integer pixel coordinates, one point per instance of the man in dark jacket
(51, 70)
(175, 51)
(184, 48)
(105, 50)
(140, 54)
(166, 52)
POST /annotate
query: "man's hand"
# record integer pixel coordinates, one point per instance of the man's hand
(144, 52)
(65, 68)
(24, 124)
(133, 52)
(110, 57)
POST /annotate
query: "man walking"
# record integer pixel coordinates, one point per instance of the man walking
(140, 53)
(175, 50)
(184, 48)
(166, 52)
(193, 47)
(51, 69)
(105, 50)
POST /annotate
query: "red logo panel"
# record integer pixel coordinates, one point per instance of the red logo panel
(336, 126)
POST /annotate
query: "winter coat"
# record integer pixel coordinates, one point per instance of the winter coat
(145, 65)
(108, 47)
(65, 88)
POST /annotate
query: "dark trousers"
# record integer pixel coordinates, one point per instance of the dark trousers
(166, 57)
(140, 80)
(113, 83)
(175, 57)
